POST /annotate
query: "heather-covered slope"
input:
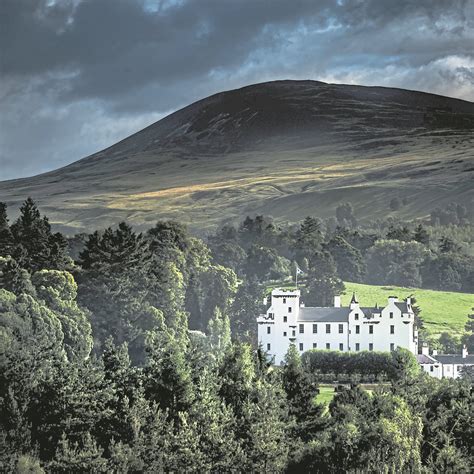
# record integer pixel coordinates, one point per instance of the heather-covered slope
(284, 148)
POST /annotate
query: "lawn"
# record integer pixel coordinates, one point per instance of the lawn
(440, 310)
(326, 393)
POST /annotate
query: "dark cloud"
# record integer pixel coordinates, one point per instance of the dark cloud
(78, 75)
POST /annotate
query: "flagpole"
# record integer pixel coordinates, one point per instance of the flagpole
(296, 276)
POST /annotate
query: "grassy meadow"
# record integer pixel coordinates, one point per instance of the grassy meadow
(441, 310)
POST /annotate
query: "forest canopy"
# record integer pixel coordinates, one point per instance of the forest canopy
(136, 352)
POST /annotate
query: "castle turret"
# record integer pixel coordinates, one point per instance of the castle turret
(354, 302)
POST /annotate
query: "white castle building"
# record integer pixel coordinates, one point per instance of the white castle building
(353, 328)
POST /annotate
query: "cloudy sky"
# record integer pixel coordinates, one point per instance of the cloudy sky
(78, 75)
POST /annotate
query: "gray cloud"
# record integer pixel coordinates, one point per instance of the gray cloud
(78, 75)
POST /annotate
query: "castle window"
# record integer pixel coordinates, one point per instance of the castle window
(284, 333)
(371, 347)
(371, 329)
(341, 328)
(289, 309)
(268, 346)
(301, 346)
(315, 344)
(392, 329)
(328, 346)
(284, 300)
(356, 316)
(315, 328)
(357, 329)
(328, 329)
(431, 369)
(357, 346)
(285, 319)
(294, 333)
(269, 329)
(391, 315)
(301, 328)
(341, 347)
(392, 347)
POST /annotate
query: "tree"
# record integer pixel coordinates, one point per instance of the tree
(421, 235)
(6, 237)
(308, 238)
(167, 375)
(468, 338)
(219, 285)
(84, 456)
(395, 262)
(349, 262)
(449, 343)
(447, 245)
(264, 263)
(345, 215)
(14, 278)
(399, 233)
(248, 303)
(323, 283)
(41, 249)
(219, 334)
(300, 388)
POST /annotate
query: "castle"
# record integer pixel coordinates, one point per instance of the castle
(352, 328)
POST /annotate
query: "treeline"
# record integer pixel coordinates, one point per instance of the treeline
(138, 357)
(383, 252)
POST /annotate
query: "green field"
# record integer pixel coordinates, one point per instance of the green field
(326, 393)
(441, 310)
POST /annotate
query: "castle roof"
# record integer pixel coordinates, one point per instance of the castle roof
(329, 315)
(425, 359)
(402, 306)
(455, 359)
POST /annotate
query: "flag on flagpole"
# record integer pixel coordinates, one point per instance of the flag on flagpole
(298, 270)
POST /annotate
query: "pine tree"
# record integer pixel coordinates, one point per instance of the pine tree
(248, 302)
(323, 283)
(83, 456)
(6, 237)
(301, 390)
(167, 375)
(468, 338)
(421, 235)
(40, 248)
(14, 278)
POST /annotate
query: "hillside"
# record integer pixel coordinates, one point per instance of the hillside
(441, 310)
(285, 148)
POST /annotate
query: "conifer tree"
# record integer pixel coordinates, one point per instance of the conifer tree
(40, 249)
(6, 237)
(167, 375)
(301, 390)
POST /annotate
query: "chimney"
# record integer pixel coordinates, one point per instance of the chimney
(464, 351)
(435, 352)
(425, 350)
(337, 301)
(392, 299)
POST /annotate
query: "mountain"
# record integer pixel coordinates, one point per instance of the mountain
(284, 148)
